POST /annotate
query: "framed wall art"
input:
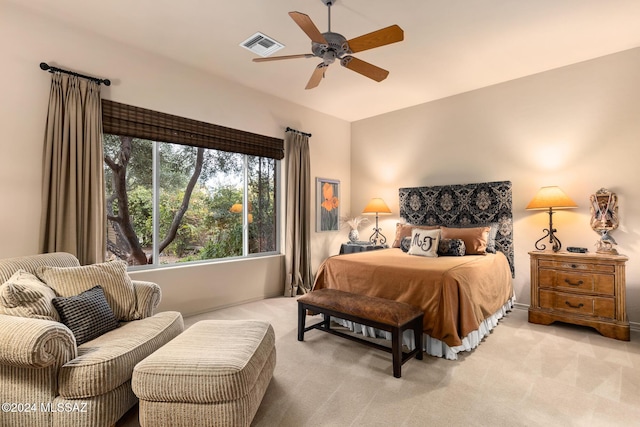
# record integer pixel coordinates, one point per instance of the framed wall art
(327, 204)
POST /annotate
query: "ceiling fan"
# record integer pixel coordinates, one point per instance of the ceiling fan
(330, 46)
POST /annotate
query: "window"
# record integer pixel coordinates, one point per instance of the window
(170, 202)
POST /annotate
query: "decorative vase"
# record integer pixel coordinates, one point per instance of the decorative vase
(604, 219)
(354, 235)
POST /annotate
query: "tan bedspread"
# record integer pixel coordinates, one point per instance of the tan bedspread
(455, 293)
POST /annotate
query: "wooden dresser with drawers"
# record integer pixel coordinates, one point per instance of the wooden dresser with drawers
(583, 289)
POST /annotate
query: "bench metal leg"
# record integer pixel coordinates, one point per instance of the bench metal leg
(396, 351)
(326, 323)
(302, 314)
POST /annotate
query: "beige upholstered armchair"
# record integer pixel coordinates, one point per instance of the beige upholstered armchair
(49, 380)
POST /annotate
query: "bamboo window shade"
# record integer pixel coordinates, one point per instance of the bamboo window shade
(123, 119)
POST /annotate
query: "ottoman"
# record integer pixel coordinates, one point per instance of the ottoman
(213, 374)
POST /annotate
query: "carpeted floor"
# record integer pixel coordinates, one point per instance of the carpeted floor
(521, 375)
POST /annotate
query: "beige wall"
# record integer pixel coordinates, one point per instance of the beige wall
(577, 127)
(156, 83)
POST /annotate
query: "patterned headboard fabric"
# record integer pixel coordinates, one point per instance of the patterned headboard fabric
(463, 205)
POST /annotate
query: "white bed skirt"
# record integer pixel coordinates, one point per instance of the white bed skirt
(432, 346)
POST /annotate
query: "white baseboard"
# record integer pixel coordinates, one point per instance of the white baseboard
(233, 304)
(520, 306)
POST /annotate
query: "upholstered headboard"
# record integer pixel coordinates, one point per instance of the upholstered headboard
(463, 205)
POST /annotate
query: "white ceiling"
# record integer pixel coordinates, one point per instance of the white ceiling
(450, 46)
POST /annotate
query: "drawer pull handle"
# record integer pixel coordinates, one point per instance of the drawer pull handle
(578, 283)
(574, 306)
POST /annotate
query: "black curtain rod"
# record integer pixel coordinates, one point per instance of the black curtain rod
(297, 131)
(46, 67)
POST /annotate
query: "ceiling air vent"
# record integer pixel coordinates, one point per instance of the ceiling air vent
(261, 44)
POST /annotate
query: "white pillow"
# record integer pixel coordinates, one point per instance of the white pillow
(424, 242)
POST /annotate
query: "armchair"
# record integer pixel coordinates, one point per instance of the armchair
(51, 381)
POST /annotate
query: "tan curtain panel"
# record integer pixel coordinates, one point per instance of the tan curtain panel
(73, 212)
(298, 219)
(123, 119)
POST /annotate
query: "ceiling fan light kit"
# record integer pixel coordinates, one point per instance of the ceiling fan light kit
(330, 46)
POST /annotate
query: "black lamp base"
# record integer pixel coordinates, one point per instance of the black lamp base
(553, 240)
(377, 238)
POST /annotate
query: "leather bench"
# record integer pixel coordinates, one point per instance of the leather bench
(380, 313)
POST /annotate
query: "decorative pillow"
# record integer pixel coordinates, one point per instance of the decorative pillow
(405, 244)
(475, 238)
(424, 242)
(88, 315)
(23, 295)
(493, 234)
(404, 230)
(451, 247)
(112, 276)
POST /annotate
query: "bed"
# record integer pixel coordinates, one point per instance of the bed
(463, 297)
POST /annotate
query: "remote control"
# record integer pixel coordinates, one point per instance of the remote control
(577, 250)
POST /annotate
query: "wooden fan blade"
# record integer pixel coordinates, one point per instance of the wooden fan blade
(278, 58)
(368, 70)
(317, 76)
(307, 25)
(378, 38)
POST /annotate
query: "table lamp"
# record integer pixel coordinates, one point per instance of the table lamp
(550, 198)
(377, 206)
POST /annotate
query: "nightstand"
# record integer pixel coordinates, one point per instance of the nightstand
(583, 289)
(360, 246)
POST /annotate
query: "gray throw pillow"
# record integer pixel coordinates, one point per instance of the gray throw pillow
(405, 244)
(88, 314)
(451, 247)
